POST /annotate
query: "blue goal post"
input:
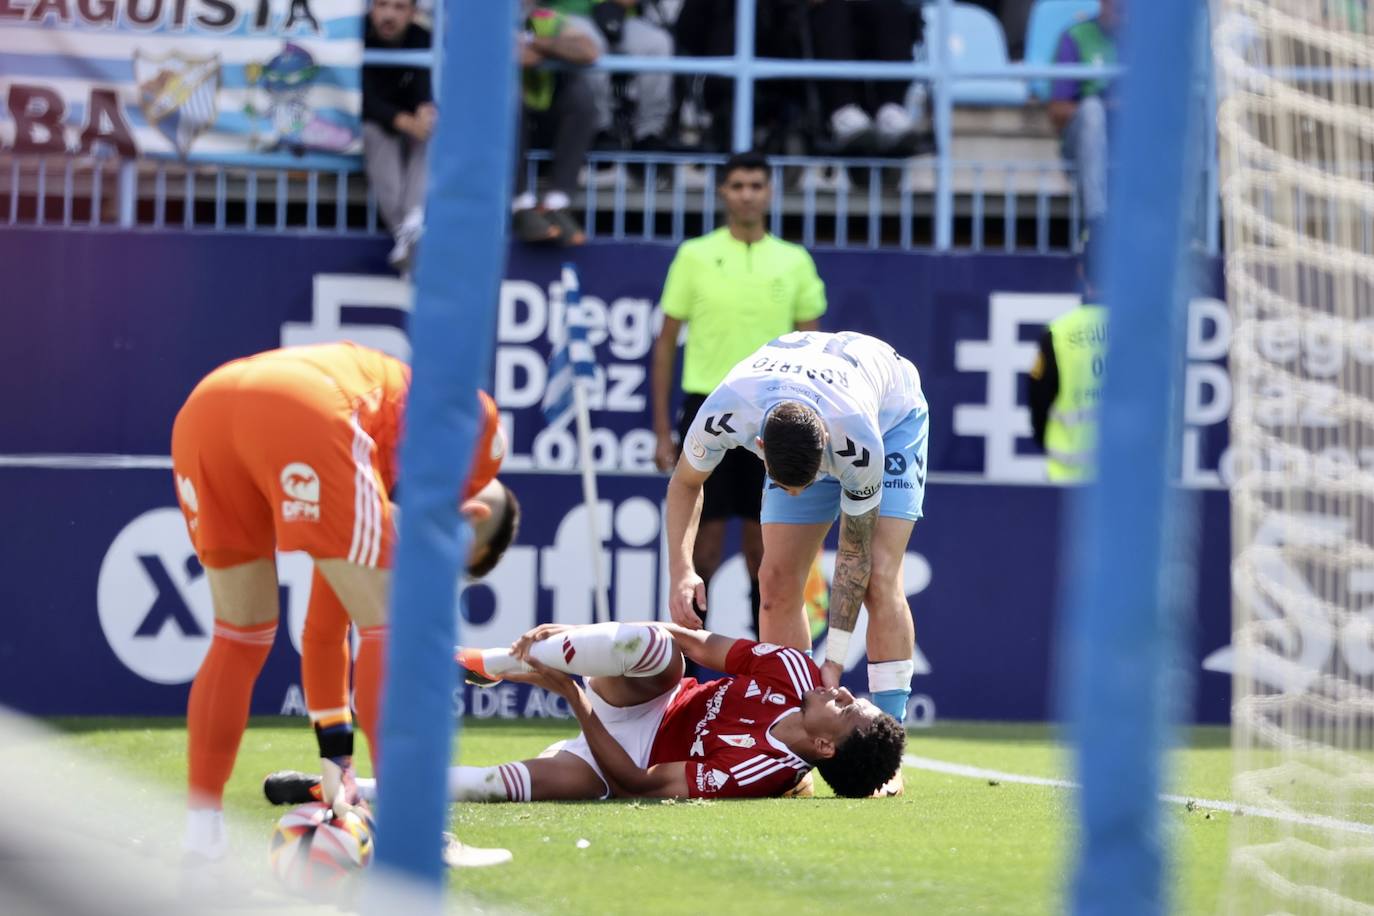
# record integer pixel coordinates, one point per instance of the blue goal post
(1117, 634)
(461, 260)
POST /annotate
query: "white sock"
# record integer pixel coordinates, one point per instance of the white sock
(524, 201)
(507, 782)
(205, 833)
(597, 650)
(891, 676)
(557, 200)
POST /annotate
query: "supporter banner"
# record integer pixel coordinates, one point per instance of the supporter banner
(105, 354)
(232, 81)
(110, 611)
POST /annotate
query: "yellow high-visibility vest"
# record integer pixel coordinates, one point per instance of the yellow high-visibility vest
(1080, 352)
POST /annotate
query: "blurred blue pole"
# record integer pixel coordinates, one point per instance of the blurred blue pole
(742, 136)
(460, 265)
(944, 131)
(1117, 635)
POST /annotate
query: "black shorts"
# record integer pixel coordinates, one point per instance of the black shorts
(735, 487)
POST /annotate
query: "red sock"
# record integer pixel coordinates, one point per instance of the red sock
(218, 710)
(367, 685)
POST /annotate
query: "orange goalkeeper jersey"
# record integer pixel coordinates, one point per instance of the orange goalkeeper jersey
(295, 449)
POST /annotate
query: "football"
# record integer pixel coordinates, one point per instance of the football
(317, 854)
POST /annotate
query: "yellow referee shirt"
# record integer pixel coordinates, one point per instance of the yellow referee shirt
(735, 297)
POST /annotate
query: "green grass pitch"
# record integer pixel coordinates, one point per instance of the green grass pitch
(952, 844)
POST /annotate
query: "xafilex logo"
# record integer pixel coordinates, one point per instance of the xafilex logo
(153, 599)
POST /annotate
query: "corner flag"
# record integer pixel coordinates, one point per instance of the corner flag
(571, 359)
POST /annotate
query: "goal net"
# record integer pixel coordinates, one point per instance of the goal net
(1296, 123)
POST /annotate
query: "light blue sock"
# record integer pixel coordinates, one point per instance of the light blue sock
(892, 702)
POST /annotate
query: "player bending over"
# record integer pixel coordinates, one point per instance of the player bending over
(295, 449)
(841, 425)
(648, 732)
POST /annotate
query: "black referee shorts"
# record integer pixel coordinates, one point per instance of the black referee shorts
(735, 487)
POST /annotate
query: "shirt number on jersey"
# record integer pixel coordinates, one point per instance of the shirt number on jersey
(834, 346)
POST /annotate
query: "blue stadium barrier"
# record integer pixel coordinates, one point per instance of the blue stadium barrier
(127, 194)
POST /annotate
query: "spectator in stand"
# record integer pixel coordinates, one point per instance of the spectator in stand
(398, 118)
(621, 26)
(706, 28)
(866, 119)
(557, 105)
(863, 119)
(1079, 108)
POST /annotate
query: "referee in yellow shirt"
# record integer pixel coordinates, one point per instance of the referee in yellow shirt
(735, 289)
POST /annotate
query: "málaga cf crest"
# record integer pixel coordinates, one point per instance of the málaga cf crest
(178, 95)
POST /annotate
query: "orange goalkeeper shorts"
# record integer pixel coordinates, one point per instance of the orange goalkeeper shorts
(292, 449)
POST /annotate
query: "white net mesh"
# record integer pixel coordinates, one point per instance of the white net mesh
(1297, 130)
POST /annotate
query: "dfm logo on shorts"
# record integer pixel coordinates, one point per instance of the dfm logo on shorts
(300, 482)
(153, 599)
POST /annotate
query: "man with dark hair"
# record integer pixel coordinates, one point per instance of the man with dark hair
(649, 732)
(495, 533)
(864, 762)
(841, 424)
(732, 290)
(794, 438)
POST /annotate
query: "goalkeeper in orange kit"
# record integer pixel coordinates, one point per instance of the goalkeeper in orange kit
(295, 449)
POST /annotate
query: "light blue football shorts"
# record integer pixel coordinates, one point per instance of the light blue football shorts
(904, 482)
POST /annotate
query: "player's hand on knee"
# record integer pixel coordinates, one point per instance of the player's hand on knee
(521, 647)
(687, 596)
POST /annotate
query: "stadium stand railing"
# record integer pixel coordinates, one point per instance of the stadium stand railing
(994, 181)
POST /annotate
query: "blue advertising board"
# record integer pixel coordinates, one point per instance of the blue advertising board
(114, 330)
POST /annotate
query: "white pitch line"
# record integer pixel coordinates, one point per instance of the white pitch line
(1308, 820)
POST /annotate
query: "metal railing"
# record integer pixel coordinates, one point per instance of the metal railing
(923, 202)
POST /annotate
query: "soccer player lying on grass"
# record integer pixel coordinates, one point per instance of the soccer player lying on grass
(648, 732)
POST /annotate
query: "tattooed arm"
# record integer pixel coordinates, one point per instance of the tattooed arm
(853, 564)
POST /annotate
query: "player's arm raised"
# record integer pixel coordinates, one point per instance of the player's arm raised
(853, 566)
(664, 780)
(683, 515)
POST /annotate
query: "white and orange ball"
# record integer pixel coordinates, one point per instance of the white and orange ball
(317, 854)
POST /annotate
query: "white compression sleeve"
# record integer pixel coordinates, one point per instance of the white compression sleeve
(608, 649)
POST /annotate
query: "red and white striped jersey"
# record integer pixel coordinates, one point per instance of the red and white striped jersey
(720, 729)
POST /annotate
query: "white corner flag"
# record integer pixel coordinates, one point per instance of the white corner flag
(572, 366)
